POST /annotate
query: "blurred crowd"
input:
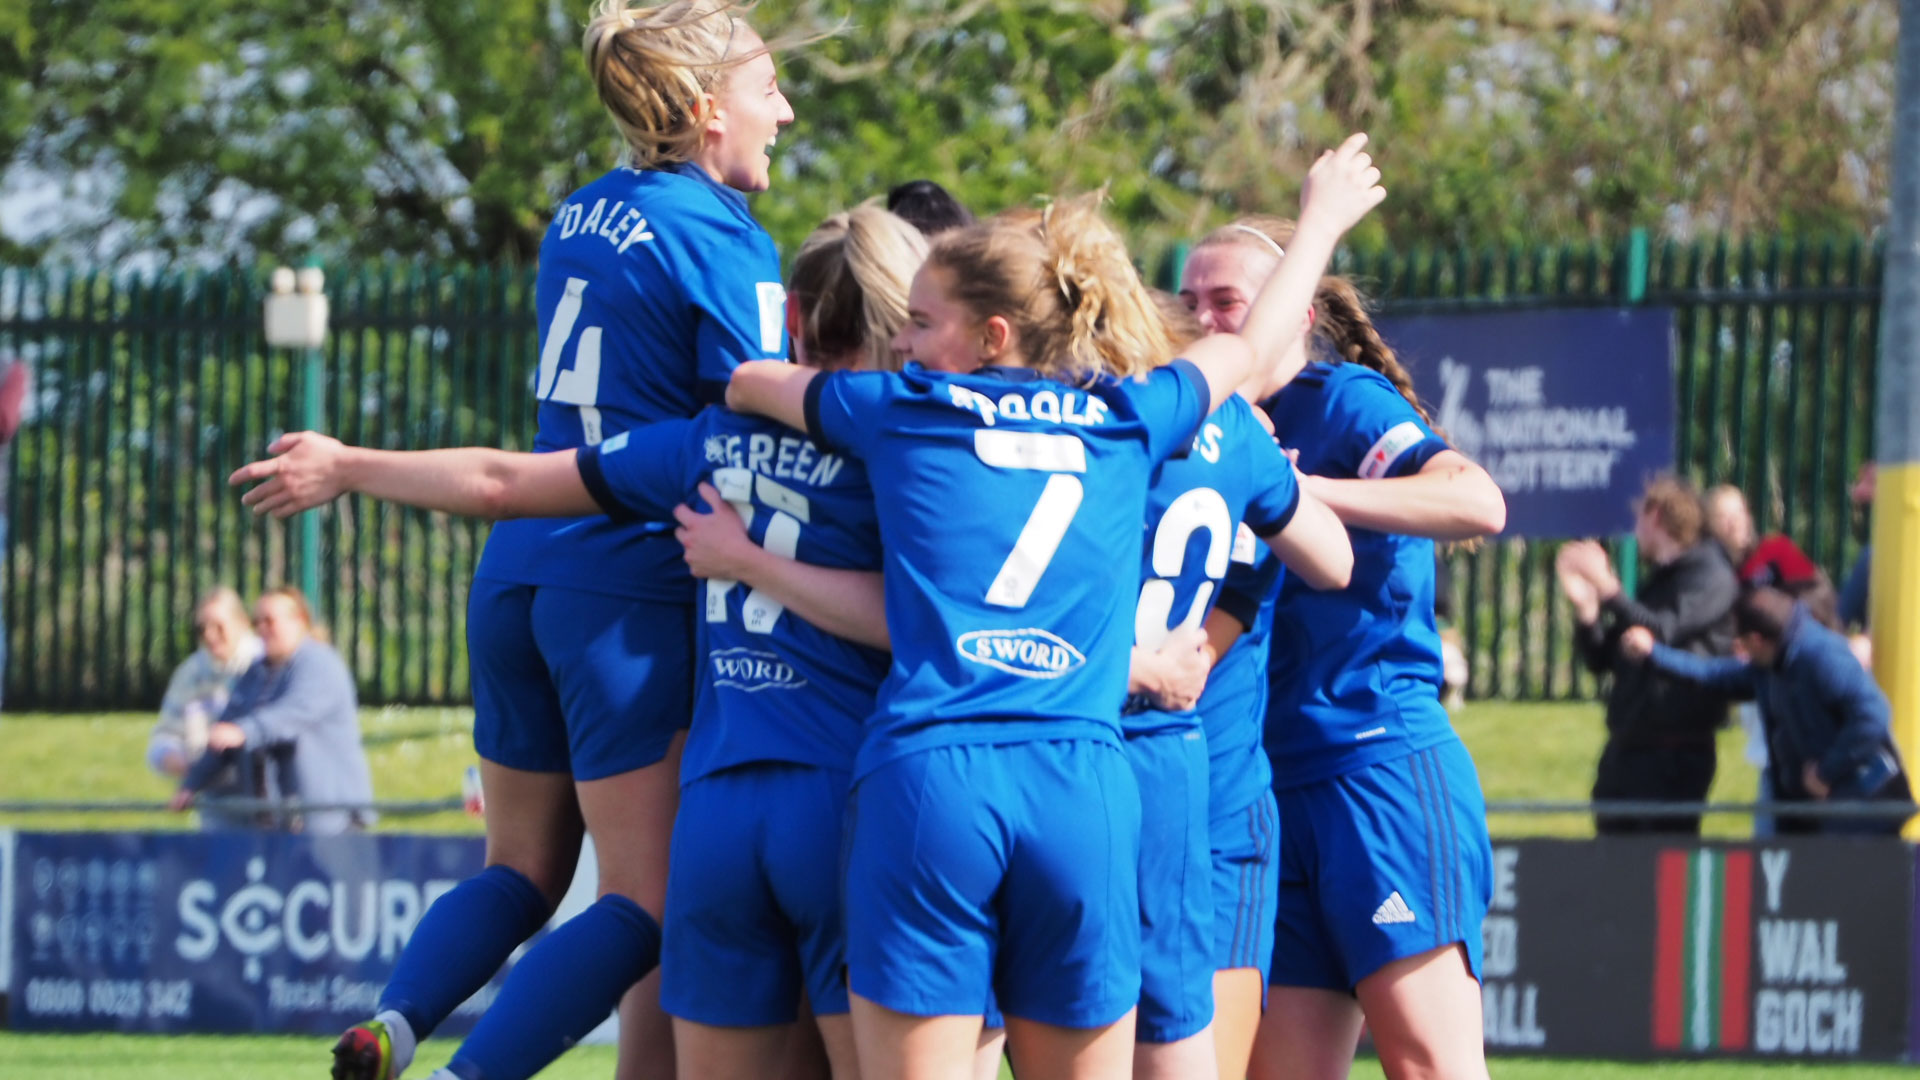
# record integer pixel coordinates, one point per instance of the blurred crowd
(1726, 619)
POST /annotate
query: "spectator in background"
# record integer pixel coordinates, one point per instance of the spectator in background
(1854, 608)
(198, 691)
(1660, 730)
(1827, 722)
(296, 708)
(928, 207)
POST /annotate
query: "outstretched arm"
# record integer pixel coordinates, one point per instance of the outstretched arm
(309, 468)
(1450, 498)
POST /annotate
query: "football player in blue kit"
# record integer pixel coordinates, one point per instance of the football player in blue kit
(1385, 862)
(995, 820)
(655, 280)
(753, 919)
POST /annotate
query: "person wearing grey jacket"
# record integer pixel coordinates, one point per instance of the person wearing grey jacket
(296, 715)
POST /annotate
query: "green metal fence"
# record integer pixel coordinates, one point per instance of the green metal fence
(149, 391)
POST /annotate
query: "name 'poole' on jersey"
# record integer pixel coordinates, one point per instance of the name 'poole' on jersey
(1197, 502)
(1355, 673)
(1006, 502)
(773, 686)
(654, 285)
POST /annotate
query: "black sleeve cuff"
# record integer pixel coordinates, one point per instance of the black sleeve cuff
(587, 460)
(1285, 520)
(810, 407)
(710, 391)
(1242, 606)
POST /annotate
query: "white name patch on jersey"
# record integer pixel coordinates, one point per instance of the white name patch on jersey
(1399, 439)
(1070, 407)
(622, 230)
(790, 457)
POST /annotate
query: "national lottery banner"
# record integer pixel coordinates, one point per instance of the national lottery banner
(1570, 411)
(219, 932)
(1793, 949)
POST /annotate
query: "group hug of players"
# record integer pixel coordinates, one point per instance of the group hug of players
(986, 673)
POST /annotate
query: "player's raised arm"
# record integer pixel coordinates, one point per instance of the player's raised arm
(308, 468)
(1342, 187)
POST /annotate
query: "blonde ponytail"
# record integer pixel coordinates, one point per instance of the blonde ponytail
(849, 284)
(656, 70)
(1064, 282)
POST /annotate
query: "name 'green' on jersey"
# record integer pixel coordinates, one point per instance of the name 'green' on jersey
(654, 285)
(772, 686)
(1010, 509)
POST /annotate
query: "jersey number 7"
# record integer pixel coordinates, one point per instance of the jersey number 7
(1047, 525)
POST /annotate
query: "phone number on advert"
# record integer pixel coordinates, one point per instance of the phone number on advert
(124, 999)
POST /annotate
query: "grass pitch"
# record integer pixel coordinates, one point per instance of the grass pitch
(209, 1057)
(1524, 751)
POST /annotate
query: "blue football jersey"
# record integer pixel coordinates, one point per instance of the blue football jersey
(1355, 673)
(653, 286)
(1234, 706)
(1007, 502)
(773, 686)
(1233, 473)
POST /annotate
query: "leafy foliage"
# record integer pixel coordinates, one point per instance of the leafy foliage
(222, 128)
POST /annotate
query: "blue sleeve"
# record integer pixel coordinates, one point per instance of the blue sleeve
(642, 474)
(1381, 434)
(1275, 490)
(1735, 678)
(740, 311)
(1865, 716)
(1853, 592)
(1171, 403)
(843, 409)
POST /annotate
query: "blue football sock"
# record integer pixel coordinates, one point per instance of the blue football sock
(560, 990)
(460, 942)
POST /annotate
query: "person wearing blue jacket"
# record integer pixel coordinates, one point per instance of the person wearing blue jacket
(1827, 722)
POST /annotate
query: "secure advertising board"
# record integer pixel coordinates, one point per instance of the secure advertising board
(1570, 411)
(1636, 947)
(219, 932)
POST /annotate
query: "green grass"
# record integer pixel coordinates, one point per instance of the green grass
(1523, 751)
(415, 754)
(210, 1057)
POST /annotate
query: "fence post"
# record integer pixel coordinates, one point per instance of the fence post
(298, 320)
(1896, 508)
(1633, 292)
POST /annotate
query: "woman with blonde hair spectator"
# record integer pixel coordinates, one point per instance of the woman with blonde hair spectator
(198, 691)
(296, 704)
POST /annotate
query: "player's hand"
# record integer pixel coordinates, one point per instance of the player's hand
(226, 736)
(1175, 675)
(716, 543)
(181, 800)
(1341, 188)
(1637, 643)
(1810, 779)
(303, 472)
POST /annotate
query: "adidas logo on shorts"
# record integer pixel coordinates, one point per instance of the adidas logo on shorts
(1392, 910)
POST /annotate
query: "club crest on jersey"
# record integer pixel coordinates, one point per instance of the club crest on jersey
(753, 670)
(1030, 653)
